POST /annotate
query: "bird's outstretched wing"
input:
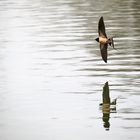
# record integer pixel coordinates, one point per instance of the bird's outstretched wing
(106, 96)
(101, 28)
(103, 49)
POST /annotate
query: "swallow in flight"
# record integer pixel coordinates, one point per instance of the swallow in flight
(103, 40)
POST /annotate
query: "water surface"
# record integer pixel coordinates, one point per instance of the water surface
(52, 74)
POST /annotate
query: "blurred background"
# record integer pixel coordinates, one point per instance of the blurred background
(52, 74)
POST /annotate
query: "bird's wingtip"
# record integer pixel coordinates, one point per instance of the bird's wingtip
(105, 60)
(101, 17)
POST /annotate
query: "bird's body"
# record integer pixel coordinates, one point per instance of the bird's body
(103, 40)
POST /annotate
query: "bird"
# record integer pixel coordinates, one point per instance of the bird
(103, 39)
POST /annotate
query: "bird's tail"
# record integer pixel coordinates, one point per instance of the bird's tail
(111, 42)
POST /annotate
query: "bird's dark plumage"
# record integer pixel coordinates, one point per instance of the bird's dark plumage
(101, 28)
(103, 49)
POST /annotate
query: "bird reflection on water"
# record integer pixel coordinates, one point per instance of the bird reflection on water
(107, 106)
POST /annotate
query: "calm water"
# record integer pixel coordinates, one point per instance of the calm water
(52, 75)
